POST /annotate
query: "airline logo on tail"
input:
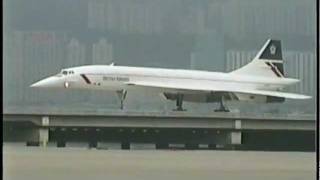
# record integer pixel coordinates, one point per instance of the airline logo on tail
(272, 55)
(272, 51)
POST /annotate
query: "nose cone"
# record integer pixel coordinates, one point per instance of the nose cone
(49, 82)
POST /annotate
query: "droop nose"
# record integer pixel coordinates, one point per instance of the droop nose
(48, 83)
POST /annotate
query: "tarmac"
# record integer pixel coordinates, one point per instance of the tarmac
(51, 163)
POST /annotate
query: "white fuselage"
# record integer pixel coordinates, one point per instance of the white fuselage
(106, 77)
(261, 80)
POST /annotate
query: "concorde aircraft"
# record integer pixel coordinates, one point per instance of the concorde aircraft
(259, 81)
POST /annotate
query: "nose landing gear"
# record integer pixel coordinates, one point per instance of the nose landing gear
(122, 96)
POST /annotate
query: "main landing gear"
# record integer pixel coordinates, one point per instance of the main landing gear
(222, 108)
(122, 96)
(179, 102)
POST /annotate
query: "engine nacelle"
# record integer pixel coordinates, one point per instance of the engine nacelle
(215, 97)
(259, 98)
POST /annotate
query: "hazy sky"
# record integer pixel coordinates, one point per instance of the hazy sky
(43, 36)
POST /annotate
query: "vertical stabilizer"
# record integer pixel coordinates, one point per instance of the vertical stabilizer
(268, 61)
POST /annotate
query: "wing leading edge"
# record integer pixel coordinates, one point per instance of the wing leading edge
(186, 87)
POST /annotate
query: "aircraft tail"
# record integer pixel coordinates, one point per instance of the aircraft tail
(268, 62)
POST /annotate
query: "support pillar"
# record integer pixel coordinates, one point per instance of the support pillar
(236, 135)
(235, 138)
(44, 131)
(43, 136)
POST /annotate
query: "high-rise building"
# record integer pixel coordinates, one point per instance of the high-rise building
(243, 18)
(33, 55)
(235, 19)
(102, 52)
(302, 65)
(75, 53)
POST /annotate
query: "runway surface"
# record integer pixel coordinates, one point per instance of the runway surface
(36, 163)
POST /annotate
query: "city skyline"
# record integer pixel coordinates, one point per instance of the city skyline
(42, 37)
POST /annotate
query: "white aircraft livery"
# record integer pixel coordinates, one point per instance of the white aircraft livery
(261, 80)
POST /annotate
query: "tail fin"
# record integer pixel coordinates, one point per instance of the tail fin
(268, 62)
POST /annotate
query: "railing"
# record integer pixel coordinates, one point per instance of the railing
(118, 112)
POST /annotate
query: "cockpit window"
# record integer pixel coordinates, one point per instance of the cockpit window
(64, 73)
